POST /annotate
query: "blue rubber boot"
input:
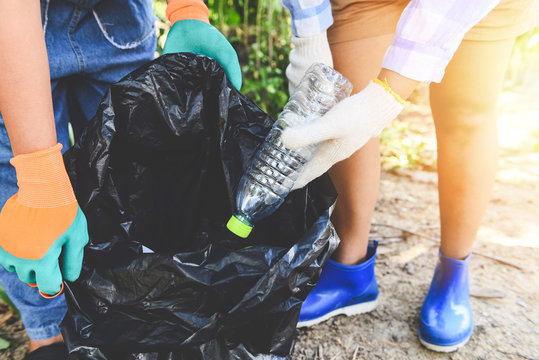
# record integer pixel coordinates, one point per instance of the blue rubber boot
(342, 290)
(446, 321)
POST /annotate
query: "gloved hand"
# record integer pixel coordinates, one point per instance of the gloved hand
(42, 229)
(307, 51)
(191, 32)
(344, 129)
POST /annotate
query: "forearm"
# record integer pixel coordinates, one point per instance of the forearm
(25, 91)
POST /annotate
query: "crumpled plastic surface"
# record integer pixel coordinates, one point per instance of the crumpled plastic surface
(157, 167)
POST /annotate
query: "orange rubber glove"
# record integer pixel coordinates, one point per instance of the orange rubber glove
(41, 222)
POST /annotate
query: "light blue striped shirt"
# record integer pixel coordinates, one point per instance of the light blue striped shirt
(427, 36)
(309, 17)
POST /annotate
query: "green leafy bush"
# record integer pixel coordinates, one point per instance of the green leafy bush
(523, 64)
(260, 32)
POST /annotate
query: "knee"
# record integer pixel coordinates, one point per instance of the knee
(463, 110)
(465, 118)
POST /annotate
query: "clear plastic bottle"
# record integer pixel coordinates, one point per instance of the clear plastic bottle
(274, 169)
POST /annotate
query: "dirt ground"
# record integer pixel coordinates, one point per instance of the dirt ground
(505, 327)
(504, 269)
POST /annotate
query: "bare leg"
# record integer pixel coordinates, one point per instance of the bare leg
(356, 178)
(36, 344)
(463, 107)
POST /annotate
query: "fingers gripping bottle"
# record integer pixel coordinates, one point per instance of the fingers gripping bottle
(273, 169)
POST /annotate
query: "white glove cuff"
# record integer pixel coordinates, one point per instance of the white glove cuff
(307, 51)
(314, 47)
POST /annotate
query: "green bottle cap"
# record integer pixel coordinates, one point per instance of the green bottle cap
(239, 227)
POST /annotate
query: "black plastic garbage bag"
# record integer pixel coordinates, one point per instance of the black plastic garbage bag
(156, 170)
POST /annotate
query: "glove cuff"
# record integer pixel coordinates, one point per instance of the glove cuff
(389, 90)
(42, 179)
(307, 51)
(314, 47)
(187, 10)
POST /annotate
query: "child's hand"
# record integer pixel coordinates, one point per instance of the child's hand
(344, 129)
(42, 229)
(192, 32)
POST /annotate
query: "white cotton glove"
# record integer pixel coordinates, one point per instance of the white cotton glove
(307, 51)
(344, 129)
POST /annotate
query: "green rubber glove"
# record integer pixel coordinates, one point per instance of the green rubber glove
(198, 37)
(45, 272)
(43, 231)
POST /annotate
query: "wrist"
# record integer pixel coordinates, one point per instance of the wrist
(30, 143)
(389, 90)
(42, 179)
(400, 85)
(187, 10)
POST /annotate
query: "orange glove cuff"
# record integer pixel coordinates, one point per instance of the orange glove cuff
(187, 10)
(42, 179)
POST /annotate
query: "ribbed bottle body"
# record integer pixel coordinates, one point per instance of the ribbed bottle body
(274, 168)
